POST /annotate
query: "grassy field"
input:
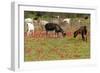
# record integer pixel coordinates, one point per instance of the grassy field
(42, 49)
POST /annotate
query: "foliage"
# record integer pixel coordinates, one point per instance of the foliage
(33, 14)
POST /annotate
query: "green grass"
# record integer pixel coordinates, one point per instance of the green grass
(40, 49)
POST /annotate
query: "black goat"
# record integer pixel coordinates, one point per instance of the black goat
(54, 27)
(83, 31)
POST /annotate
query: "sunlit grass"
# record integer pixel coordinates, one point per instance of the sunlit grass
(40, 49)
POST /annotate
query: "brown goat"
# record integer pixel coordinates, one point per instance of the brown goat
(83, 31)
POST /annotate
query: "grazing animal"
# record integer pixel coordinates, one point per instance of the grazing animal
(54, 27)
(67, 20)
(83, 31)
(30, 26)
(43, 23)
(30, 29)
(40, 22)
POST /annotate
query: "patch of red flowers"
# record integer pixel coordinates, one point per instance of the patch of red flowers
(69, 34)
(29, 51)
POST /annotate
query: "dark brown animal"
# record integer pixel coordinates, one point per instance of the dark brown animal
(54, 27)
(83, 31)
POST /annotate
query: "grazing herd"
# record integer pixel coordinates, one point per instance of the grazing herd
(50, 27)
